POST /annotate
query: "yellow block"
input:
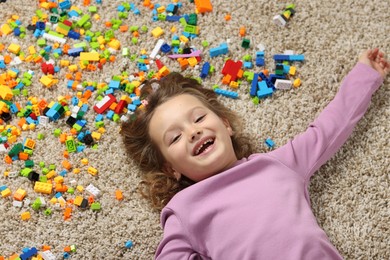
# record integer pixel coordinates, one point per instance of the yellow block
(6, 29)
(47, 81)
(89, 56)
(157, 32)
(5, 92)
(43, 187)
(14, 48)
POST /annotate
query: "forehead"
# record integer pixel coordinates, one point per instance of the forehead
(177, 105)
(173, 110)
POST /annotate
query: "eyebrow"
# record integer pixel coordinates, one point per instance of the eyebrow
(188, 113)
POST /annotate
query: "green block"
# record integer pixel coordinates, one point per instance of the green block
(41, 164)
(70, 190)
(47, 212)
(95, 206)
(116, 118)
(45, 171)
(92, 9)
(16, 149)
(70, 145)
(57, 132)
(52, 167)
(83, 20)
(41, 42)
(134, 28)
(25, 172)
(43, 178)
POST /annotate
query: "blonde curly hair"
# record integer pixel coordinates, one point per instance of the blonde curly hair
(158, 185)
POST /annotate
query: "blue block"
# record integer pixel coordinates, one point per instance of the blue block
(65, 4)
(264, 90)
(269, 143)
(260, 62)
(165, 48)
(114, 84)
(253, 90)
(73, 35)
(248, 65)
(226, 93)
(99, 118)
(110, 114)
(264, 78)
(131, 107)
(205, 70)
(13, 108)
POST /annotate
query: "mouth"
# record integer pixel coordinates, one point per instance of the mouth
(203, 146)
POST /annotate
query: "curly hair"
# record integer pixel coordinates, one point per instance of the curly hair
(158, 185)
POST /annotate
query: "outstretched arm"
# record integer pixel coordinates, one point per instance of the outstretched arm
(328, 132)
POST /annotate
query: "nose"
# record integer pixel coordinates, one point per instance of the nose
(195, 134)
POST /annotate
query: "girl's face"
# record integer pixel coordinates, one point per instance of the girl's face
(194, 141)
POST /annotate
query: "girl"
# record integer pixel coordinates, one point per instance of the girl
(219, 200)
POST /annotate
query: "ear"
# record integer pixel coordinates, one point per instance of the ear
(167, 168)
(228, 127)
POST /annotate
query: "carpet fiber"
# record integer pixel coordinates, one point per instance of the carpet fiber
(349, 194)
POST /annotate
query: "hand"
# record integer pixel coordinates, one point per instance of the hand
(376, 59)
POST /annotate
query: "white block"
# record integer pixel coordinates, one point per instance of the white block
(283, 84)
(157, 48)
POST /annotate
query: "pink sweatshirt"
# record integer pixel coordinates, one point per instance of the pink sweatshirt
(260, 208)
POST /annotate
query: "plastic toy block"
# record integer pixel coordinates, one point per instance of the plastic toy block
(20, 194)
(269, 143)
(104, 104)
(220, 50)
(14, 48)
(95, 206)
(129, 244)
(283, 84)
(43, 187)
(245, 43)
(25, 215)
(232, 68)
(89, 56)
(254, 85)
(93, 190)
(203, 6)
(157, 32)
(284, 57)
(297, 82)
(5, 92)
(118, 195)
(205, 70)
(226, 93)
(6, 193)
(264, 90)
(92, 171)
(47, 255)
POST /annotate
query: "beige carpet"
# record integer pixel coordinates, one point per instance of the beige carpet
(350, 194)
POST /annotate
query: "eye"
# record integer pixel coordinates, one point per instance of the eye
(175, 139)
(199, 119)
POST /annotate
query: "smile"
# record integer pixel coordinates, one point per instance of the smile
(203, 146)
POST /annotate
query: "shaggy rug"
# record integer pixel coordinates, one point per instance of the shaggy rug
(349, 194)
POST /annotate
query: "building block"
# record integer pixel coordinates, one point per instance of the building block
(43, 187)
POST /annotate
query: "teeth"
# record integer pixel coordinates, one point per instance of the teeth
(200, 147)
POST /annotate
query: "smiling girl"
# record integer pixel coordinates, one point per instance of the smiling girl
(220, 200)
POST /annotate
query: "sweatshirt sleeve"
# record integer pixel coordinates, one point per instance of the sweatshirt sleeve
(328, 132)
(175, 243)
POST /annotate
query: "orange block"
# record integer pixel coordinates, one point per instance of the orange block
(124, 28)
(118, 195)
(66, 164)
(203, 6)
(8, 159)
(23, 156)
